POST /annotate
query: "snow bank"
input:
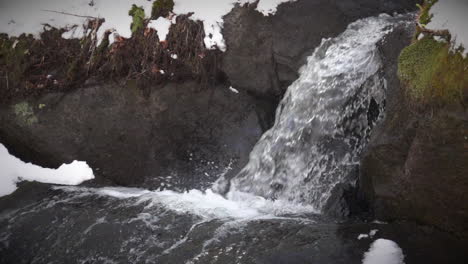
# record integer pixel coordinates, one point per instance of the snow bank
(384, 251)
(27, 16)
(13, 170)
(211, 12)
(451, 15)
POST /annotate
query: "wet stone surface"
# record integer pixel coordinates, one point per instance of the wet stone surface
(79, 225)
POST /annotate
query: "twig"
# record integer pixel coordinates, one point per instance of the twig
(69, 14)
(7, 83)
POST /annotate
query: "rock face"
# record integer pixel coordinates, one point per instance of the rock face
(264, 54)
(136, 139)
(132, 138)
(417, 169)
(416, 165)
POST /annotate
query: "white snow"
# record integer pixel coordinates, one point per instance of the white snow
(268, 7)
(371, 234)
(361, 236)
(384, 251)
(161, 25)
(211, 12)
(13, 170)
(27, 16)
(451, 15)
(234, 90)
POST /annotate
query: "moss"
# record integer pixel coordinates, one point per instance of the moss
(25, 113)
(424, 15)
(432, 72)
(161, 8)
(138, 15)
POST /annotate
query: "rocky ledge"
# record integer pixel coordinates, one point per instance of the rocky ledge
(138, 132)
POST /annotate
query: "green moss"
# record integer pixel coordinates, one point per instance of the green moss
(162, 8)
(138, 15)
(25, 113)
(432, 72)
(424, 16)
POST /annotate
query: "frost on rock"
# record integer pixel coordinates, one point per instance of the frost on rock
(30, 16)
(14, 170)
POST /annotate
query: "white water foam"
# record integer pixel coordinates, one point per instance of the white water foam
(322, 124)
(207, 205)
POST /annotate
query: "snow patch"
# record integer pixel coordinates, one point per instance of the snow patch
(161, 25)
(211, 12)
(384, 251)
(234, 90)
(29, 16)
(370, 235)
(451, 15)
(269, 7)
(14, 170)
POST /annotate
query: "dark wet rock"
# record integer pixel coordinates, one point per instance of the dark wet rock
(190, 128)
(132, 139)
(264, 54)
(416, 167)
(81, 227)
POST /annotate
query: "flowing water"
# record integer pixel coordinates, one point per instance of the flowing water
(323, 122)
(272, 208)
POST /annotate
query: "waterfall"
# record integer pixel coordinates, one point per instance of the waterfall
(323, 122)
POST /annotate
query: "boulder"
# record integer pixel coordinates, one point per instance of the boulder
(416, 164)
(131, 138)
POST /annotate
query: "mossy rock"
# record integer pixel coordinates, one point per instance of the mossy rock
(162, 8)
(433, 72)
(25, 113)
(138, 15)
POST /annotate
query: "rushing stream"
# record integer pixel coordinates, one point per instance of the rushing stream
(271, 211)
(324, 120)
